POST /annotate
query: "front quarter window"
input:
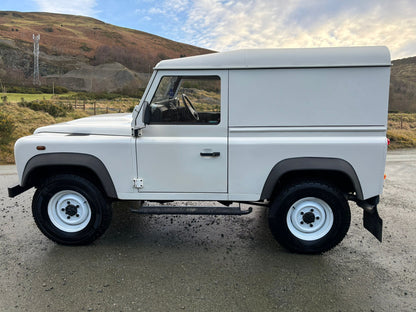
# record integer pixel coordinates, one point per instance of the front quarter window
(187, 100)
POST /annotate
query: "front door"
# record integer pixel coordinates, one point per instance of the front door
(184, 148)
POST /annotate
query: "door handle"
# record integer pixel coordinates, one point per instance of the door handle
(213, 154)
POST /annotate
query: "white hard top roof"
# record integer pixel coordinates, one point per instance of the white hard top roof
(283, 58)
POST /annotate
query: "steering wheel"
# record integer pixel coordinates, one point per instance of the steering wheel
(190, 107)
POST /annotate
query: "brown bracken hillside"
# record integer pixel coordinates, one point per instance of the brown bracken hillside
(66, 41)
(403, 85)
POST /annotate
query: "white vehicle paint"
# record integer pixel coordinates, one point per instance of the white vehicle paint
(241, 126)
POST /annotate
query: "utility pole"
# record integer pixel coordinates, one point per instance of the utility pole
(36, 76)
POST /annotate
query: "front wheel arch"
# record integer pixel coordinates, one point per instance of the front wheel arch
(40, 167)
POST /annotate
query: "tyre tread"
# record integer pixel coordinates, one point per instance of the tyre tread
(47, 188)
(279, 229)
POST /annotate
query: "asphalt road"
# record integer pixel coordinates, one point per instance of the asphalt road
(208, 263)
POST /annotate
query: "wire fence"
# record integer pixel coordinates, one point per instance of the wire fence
(96, 107)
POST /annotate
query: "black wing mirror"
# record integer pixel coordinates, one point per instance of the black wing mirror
(147, 113)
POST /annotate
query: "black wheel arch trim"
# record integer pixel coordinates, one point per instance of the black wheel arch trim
(312, 164)
(71, 159)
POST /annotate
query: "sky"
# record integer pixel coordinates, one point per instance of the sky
(224, 25)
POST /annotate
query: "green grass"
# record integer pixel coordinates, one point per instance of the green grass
(17, 97)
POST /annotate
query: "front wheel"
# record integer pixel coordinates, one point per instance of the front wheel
(71, 210)
(309, 217)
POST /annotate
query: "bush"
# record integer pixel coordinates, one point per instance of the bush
(94, 96)
(6, 128)
(49, 89)
(55, 110)
(35, 90)
(132, 92)
(22, 89)
(85, 48)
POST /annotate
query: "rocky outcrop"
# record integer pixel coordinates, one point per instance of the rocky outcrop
(102, 78)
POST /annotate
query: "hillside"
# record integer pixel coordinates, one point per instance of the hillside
(69, 42)
(403, 85)
(71, 47)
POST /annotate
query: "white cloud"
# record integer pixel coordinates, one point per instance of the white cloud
(75, 7)
(226, 25)
(169, 7)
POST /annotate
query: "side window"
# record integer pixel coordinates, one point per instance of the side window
(187, 100)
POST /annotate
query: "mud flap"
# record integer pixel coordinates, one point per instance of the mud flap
(373, 223)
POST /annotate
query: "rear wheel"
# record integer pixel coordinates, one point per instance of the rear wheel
(309, 217)
(71, 210)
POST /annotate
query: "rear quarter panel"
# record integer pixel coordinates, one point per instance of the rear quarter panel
(276, 114)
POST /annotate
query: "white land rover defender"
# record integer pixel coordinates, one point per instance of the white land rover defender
(302, 131)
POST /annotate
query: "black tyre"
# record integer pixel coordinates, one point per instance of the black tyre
(71, 210)
(309, 217)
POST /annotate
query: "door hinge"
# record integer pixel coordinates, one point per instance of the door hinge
(138, 183)
(137, 132)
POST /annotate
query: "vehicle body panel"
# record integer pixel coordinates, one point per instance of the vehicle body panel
(275, 105)
(169, 159)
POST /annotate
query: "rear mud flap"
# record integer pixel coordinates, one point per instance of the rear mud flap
(373, 223)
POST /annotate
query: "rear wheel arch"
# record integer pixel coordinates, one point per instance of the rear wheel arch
(336, 171)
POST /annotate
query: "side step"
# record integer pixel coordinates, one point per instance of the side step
(189, 210)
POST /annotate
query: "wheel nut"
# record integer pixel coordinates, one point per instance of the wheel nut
(62, 209)
(317, 218)
(311, 225)
(77, 215)
(68, 217)
(311, 210)
(302, 213)
(301, 222)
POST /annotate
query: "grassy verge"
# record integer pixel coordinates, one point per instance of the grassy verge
(18, 119)
(17, 97)
(402, 130)
(25, 121)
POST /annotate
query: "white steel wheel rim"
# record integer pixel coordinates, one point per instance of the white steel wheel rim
(310, 218)
(69, 211)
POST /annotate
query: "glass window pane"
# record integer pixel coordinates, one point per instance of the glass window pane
(187, 100)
